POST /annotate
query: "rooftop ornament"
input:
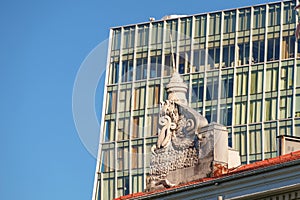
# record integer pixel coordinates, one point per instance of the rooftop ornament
(188, 148)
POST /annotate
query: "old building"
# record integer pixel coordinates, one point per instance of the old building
(242, 70)
(274, 178)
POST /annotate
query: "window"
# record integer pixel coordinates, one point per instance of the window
(125, 99)
(123, 185)
(272, 78)
(212, 88)
(228, 55)
(128, 37)
(200, 26)
(184, 62)
(197, 90)
(240, 113)
(185, 29)
(285, 107)
(169, 59)
(256, 82)
(226, 115)
(107, 159)
(298, 76)
(157, 33)
(270, 142)
(116, 39)
(137, 183)
(155, 65)
(243, 52)
(127, 70)
(242, 83)
(258, 51)
(113, 72)
(138, 127)
(244, 19)
(199, 60)
(143, 35)
(211, 114)
(109, 130)
(297, 128)
(255, 111)
(137, 154)
(255, 143)
(274, 15)
(288, 46)
(153, 95)
(297, 109)
(259, 17)
(214, 24)
(151, 128)
(139, 98)
(214, 56)
(171, 31)
(286, 77)
(111, 102)
(289, 13)
(270, 109)
(273, 49)
(285, 127)
(227, 86)
(141, 67)
(166, 82)
(123, 128)
(109, 184)
(122, 156)
(229, 22)
(240, 142)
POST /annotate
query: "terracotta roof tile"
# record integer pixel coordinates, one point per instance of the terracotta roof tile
(253, 166)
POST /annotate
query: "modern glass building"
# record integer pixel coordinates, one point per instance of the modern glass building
(242, 67)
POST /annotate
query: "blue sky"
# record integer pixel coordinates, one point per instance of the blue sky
(42, 46)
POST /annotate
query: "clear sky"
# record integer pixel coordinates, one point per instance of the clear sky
(42, 46)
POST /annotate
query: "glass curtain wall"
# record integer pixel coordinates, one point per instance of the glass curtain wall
(242, 67)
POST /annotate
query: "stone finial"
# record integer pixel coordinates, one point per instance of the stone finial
(177, 89)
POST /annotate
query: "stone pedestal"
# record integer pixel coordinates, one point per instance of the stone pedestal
(214, 145)
(208, 157)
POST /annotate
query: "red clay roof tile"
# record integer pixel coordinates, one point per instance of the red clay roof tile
(257, 165)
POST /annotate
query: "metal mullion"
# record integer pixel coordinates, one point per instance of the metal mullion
(220, 68)
(279, 71)
(177, 44)
(248, 88)
(162, 67)
(294, 84)
(206, 63)
(131, 110)
(234, 75)
(146, 100)
(161, 93)
(264, 85)
(101, 186)
(117, 114)
(191, 60)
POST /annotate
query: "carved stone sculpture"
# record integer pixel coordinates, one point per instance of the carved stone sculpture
(185, 149)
